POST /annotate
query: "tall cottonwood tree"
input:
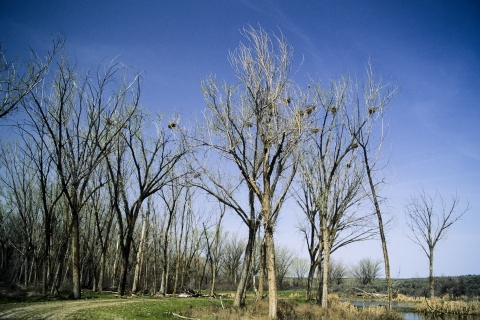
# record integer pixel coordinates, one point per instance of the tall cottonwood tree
(257, 125)
(19, 181)
(172, 195)
(370, 141)
(81, 118)
(428, 218)
(49, 190)
(140, 166)
(332, 173)
(226, 188)
(104, 223)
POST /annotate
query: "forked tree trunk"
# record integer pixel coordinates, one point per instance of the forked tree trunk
(242, 284)
(125, 249)
(311, 274)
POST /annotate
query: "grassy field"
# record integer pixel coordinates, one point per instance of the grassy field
(106, 306)
(17, 303)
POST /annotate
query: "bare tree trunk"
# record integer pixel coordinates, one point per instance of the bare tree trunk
(101, 272)
(140, 254)
(26, 270)
(380, 228)
(311, 273)
(57, 279)
(431, 278)
(76, 256)
(272, 277)
(115, 265)
(46, 255)
(326, 259)
(162, 283)
(261, 274)
(363, 144)
(178, 245)
(125, 249)
(167, 273)
(242, 284)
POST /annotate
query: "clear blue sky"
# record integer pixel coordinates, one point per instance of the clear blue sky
(431, 49)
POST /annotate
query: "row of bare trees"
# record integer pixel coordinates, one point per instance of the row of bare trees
(95, 187)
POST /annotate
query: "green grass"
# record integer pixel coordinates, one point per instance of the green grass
(143, 308)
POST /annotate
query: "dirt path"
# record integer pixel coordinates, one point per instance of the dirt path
(59, 310)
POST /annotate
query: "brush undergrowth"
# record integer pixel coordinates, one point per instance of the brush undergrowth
(288, 309)
(440, 307)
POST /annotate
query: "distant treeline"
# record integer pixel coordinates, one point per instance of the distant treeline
(468, 285)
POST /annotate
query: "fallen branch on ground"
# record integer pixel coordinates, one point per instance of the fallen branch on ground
(364, 293)
(181, 317)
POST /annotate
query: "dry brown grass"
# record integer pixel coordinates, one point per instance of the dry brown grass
(403, 298)
(288, 309)
(438, 307)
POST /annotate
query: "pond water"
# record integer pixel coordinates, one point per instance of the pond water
(382, 303)
(407, 315)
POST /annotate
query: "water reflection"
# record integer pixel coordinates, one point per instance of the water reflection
(411, 316)
(381, 303)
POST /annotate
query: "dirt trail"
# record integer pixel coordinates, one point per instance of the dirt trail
(59, 310)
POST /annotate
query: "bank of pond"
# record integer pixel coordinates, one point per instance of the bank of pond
(427, 310)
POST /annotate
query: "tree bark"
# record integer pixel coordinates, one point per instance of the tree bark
(261, 273)
(326, 259)
(272, 277)
(380, 228)
(431, 278)
(140, 254)
(242, 284)
(76, 256)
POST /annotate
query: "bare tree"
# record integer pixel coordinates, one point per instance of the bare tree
(81, 122)
(140, 166)
(332, 175)
(214, 247)
(19, 180)
(171, 196)
(366, 271)
(233, 257)
(104, 221)
(15, 83)
(376, 97)
(284, 258)
(336, 272)
(142, 248)
(257, 125)
(300, 268)
(428, 225)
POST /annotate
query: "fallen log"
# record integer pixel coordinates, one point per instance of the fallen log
(183, 317)
(364, 293)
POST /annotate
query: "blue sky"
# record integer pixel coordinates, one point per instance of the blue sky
(430, 49)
